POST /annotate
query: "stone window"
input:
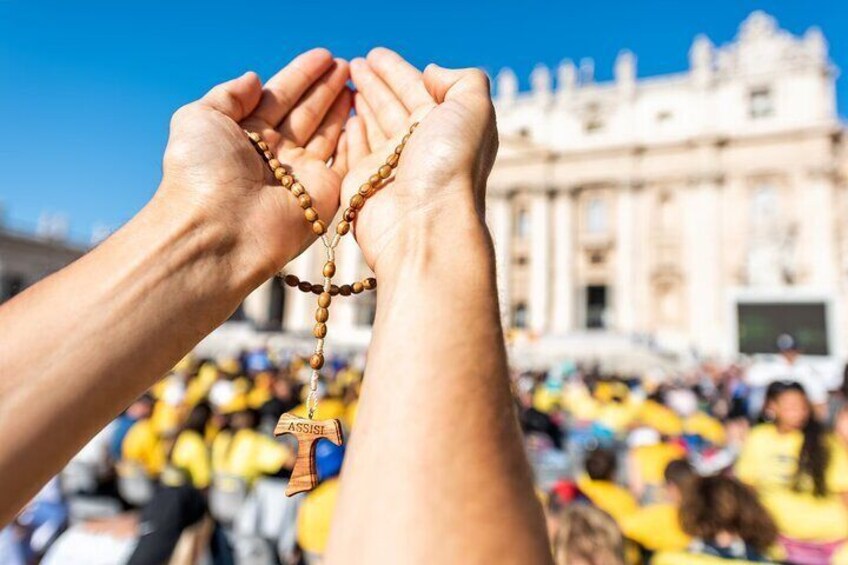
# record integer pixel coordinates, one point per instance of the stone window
(596, 216)
(760, 103)
(519, 315)
(522, 223)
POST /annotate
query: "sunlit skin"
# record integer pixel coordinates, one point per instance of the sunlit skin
(792, 411)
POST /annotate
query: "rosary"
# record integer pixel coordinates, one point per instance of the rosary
(308, 431)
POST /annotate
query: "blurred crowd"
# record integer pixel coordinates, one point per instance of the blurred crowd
(743, 463)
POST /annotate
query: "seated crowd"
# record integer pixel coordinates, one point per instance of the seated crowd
(692, 469)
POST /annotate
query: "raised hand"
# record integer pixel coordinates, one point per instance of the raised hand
(442, 172)
(212, 170)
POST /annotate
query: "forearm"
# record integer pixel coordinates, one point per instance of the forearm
(80, 345)
(436, 418)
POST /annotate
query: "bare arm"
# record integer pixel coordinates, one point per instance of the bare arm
(79, 346)
(436, 471)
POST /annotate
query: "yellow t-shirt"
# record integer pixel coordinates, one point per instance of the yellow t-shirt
(191, 455)
(661, 418)
(705, 426)
(350, 414)
(143, 447)
(657, 528)
(651, 461)
(315, 515)
(613, 499)
(327, 409)
(248, 455)
(681, 557)
(769, 461)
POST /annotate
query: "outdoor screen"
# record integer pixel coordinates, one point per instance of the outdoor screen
(760, 323)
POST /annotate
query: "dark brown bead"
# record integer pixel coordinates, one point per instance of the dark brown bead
(329, 269)
(366, 190)
(254, 137)
(324, 299)
(334, 290)
(292, 280)
(274, 164)
(345, 290)
(317, 289)
(305, 286)
(349, 215)
(385, 171)
(297, 189)
(280, 173)
(321, 315)
(287, 180)
(304, 201)
(311, 214)
(356, 201)
(342, 227)
(393, 159)
(318, 227)
(370, 283)
(375, 180)
(316, 361)
(357, 287)
(320, 330)
(262, 146)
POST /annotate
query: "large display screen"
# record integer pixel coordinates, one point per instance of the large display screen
(761, 322)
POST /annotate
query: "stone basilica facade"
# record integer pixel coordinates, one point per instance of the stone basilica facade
(699, 210)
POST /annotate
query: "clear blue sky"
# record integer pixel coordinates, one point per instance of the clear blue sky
(87, 88)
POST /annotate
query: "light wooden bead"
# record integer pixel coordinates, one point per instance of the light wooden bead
(317, 289)
(366, 189)
(274, 164)
(412, 127)
(357, 201)
(324, 299)
(320, 330)
(334, 290)
(342, 227)
(329, 269)
(375, 180)
(287, 180)
(297, 189)
(357, 287)
(316, 361)
(385, 171)
(304, 201)
(405, 139)
(305, 286)
(370, 283)
(311, 214)
(268, 155)
(345, 290)
(254, 137)
(262, 146)
(279, 173)
(392, 161)
(399, 149)
(349, 214)
(321, 315)
(318, 227)
(291, 280)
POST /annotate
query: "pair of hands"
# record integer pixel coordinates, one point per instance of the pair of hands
(304, 114)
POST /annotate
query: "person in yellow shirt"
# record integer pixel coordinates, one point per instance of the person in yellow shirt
(647, 459)
(188, 461)
(799, 470)
(142, 448)
(316, 511)
(244, 453)
(598, 484)
(656, 527)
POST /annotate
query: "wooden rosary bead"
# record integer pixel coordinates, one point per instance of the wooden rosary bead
(324, 299)
(334, 290)
(404, 140)
(274, 164)
(311, 214)
(399, 149)
(385, 171)
(287, 180)
(370, 283)
(316, 361)
(393, 159)
(375, 180)
(318, 227)
(291, 280)
(413, 126)
(329, 269)
(262, 146)
(342, 227)
(366, 189)
(304, 200)
(305, 286)
(320, 330)
(357, 287)
(280, 173)
(254, 137)
(357, 201)
(317, 289)
(345, 290)
(297, 189)
(322, 315)
(268, 155)
(349, 214)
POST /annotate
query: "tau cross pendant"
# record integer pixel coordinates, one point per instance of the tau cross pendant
(304, 475)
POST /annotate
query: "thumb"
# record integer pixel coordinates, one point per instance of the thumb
(462, 85)
(236, 98)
